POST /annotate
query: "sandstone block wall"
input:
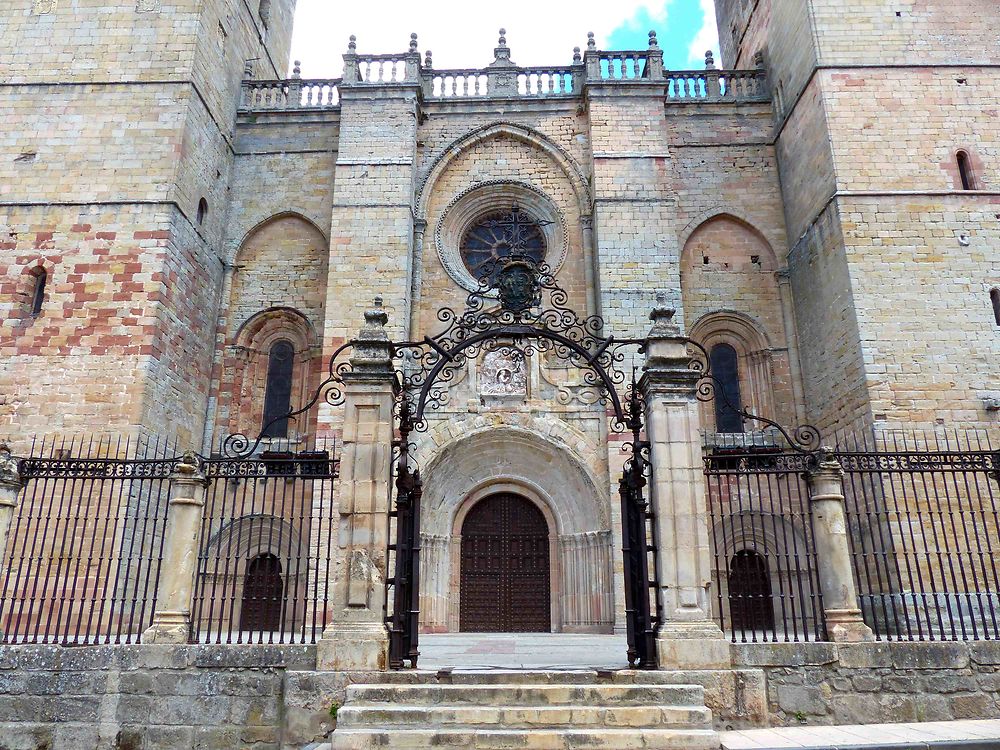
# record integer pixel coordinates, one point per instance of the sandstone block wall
(825, 683)
(122, 124)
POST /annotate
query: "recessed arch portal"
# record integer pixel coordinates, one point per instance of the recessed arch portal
(505, 459)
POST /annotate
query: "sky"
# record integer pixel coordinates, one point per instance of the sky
(463, 34)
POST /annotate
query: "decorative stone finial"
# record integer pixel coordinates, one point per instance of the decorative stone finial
(352, 44)
(663, 318)
(501, 59)
(428, 63)
(248, 69)
(576, 55)
(413, 42)
(709, 60)
(376, 316)
(297, 69)
(372, 353)
(652, 40)
(758, 60)
(9, 474)
(591, 43)
(188, 468)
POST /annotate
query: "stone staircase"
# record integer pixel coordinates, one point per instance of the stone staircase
(536, 710)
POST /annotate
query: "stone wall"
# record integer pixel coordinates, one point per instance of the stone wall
(826, 683)
(164, 697)
(272, 698)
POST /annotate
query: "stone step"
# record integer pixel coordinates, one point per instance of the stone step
(528, 739)
(360, 714)
(531, 677)
(519, 694)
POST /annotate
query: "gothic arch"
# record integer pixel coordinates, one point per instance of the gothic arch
(726, 211)
(291, 213)
(516, 131)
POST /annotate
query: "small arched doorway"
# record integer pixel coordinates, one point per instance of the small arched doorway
(505, 584)
(262, 595)
(750, 606)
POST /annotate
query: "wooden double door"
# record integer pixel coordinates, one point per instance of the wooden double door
(505, 586)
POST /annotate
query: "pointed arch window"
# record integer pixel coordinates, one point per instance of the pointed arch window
(995, 299)
(278, 391)
(728, 403)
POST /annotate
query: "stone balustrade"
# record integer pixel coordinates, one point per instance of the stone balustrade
(716, 85)
(294, 93)
(504, 79)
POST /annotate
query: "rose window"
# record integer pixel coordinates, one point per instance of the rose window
(499, 234)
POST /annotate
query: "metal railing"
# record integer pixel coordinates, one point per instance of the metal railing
(765, 567)
(83, 559)
(924, 523)
(265, 547)
(82, 562)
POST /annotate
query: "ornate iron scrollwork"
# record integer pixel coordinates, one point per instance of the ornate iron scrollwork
(802, 438)
(238, 445)
(506, 313)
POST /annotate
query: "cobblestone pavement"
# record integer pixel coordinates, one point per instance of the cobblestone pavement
(522, 651)
(977, 735)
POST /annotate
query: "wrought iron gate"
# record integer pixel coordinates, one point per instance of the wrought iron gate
(643, 611)
(404, 620)
(520, 326)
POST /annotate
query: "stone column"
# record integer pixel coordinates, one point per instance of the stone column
(10, 488)
(172, 618)
(688, 637)
(356, 638)
(844, 622)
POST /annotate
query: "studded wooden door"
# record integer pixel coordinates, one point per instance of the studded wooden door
(505, 567)
(262, 595)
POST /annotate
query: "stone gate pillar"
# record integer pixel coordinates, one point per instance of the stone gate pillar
(356, 637)
(844, 622)
(688, 637)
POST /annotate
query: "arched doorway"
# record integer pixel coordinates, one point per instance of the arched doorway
(262, 595)
(505, 586)
(750, 592)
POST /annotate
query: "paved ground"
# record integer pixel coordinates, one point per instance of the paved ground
(968, 735)
(522, 651)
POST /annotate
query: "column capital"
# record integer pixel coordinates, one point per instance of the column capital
(10, 475)
(187, 472)
(825, 475)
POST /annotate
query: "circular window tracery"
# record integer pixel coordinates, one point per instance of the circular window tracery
(496, 235)
(484, 200)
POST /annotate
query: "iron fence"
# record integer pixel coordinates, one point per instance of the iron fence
(83, 555)
(764, 567)
(923, 522)
(82, 564)
(265, 546)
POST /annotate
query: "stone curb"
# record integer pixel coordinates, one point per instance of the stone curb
(975, 744)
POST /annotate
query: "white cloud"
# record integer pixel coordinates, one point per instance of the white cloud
(707, 37)
(462, 34)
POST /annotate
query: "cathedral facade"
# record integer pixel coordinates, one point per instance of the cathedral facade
(189, 237)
